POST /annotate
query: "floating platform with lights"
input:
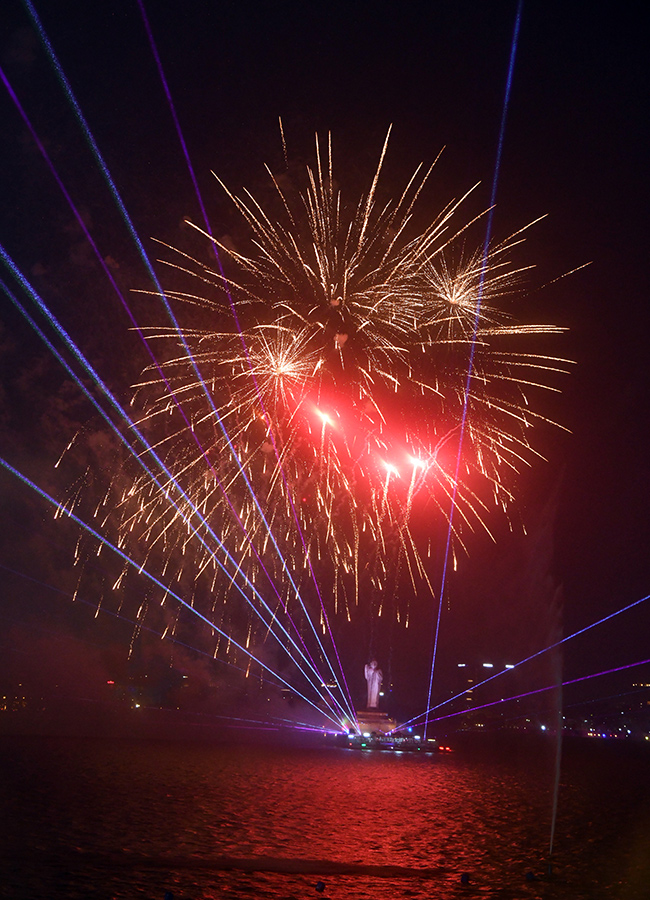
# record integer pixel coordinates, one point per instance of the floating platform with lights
(399, 742)
(377, 731)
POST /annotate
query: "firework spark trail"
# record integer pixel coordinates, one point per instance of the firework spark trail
(534, 656)
(470, 366)
(142, 571)
(550, 687)
(197, 191)
(170, 479)
(143, 338)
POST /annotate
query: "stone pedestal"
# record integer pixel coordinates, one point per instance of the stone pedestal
(373, 721)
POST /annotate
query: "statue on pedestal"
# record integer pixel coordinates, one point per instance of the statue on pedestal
(374, 678)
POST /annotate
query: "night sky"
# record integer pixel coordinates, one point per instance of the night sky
(575, 151)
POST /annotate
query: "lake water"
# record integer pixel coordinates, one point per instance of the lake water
(85, 818)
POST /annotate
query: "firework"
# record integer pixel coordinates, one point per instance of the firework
(325, 414)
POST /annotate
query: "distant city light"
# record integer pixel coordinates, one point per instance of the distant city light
(488, 666)
(461, 665)
(509, 666)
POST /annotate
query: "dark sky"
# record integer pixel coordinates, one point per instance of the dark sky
(575, 150)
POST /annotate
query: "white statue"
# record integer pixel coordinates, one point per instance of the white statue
(374, 678)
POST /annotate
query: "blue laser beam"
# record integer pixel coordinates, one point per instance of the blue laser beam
(141, 570)
(162, 375)
(115, 194)
(470, 367)
(195, 512)
(151, 475)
